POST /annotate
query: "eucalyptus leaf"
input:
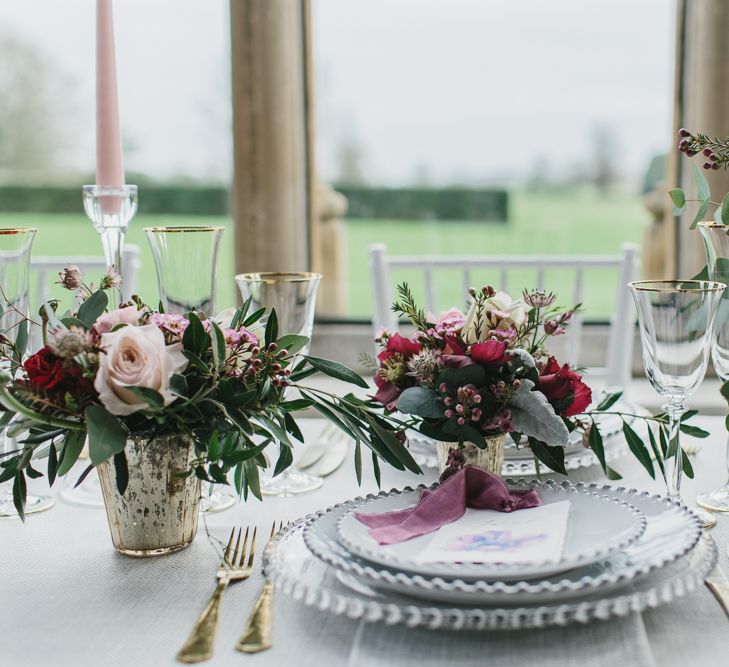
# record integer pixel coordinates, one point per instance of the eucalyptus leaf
(678, 197)
(533, 416)
(421, 401)
(458, 377)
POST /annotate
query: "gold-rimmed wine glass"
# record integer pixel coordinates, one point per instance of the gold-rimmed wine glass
(186, 261)
(293, 295)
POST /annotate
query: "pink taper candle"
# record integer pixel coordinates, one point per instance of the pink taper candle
(109, 158)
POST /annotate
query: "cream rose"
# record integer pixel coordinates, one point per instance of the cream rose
(499, 312)
(136, 357)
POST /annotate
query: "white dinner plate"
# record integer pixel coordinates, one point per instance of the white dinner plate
(672, 531)
(598, 526)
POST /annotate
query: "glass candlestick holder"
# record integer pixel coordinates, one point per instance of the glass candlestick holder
(110, 209)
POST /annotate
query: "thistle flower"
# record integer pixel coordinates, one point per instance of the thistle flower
(539, 298)
(70, 277)
(423, 366)
(112, 279)
(69, 343)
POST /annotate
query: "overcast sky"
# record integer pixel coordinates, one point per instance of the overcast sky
(473, 90)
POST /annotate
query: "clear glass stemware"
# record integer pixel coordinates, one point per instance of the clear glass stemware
(676, 318)
(15, 249)
(186, 260)
(293, 295)
(716, 244)
(111, 209)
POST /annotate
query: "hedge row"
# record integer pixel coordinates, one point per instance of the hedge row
(426, 203)
(364, 202)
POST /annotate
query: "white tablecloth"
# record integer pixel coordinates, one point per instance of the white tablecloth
(68, 600)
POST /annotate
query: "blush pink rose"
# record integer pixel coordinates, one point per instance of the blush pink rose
(107, 321)
(136, 357)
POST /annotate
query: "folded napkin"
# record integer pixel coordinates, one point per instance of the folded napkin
(469, 487)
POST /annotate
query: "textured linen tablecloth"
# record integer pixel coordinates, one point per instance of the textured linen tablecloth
(67, 599)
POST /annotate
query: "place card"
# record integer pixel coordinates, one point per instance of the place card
(485, 536)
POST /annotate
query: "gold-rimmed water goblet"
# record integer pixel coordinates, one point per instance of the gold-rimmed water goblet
(186, 261)
(676, 319)
(293, 295)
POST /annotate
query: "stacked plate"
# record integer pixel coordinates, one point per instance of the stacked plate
(622, 551)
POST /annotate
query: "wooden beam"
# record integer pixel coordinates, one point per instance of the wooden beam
(270, 203)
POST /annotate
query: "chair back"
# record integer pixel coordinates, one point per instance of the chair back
(496, 270)
(45, 269)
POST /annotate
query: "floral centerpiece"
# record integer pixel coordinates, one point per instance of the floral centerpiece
(469, 380)
(137, 383)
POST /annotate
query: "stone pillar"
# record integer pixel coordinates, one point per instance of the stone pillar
(702, 105)
(270, 194)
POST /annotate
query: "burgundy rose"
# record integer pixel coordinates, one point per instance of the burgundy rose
(45, 370)
(50, 374)
(564, 388)
(398, 344)
(490, 353)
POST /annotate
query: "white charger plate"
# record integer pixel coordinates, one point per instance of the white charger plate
(672, 531)
(296, 572)
(598, 525)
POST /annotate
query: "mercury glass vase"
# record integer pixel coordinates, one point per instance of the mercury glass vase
(490, 459)
(157, 514)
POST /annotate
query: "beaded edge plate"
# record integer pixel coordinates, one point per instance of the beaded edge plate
(296, 572)
(648, 554)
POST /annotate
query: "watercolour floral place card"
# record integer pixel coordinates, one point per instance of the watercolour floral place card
(486, 536)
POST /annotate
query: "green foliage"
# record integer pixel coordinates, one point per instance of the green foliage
(421, 401)
(106, 434)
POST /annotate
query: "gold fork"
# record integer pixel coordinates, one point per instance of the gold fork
(257, 634)
(199, 645)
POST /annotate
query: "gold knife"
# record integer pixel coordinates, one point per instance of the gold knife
(719, 585)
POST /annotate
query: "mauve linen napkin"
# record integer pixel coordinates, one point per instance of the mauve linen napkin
(469, 487)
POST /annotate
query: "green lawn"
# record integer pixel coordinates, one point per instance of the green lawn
(540, 223)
